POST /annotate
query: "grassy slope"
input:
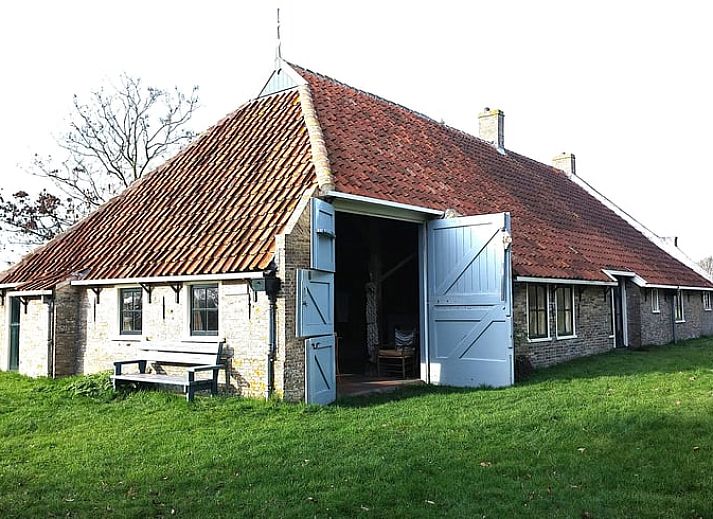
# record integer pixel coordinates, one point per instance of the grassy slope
(626, 434)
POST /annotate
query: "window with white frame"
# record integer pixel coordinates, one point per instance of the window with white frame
(537, 312)
(564, 302)
(204, 310)
(655, 307)
(707, 301)
(130, 310)
(678, 307)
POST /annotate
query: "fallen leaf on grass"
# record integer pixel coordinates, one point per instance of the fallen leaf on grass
(485, 464)
(582, 449)
(695, 449)
(428, 501)
(365, 508)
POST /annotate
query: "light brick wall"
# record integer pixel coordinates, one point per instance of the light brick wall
(4, 334)
(592, 326)
(243, 324)
(34, 343)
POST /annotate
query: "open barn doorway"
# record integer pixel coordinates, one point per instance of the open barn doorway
(376, 305)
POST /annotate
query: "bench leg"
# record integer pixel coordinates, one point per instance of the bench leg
(190, 393)
(214, 385)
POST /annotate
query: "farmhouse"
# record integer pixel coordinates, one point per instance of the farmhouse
(326, 234)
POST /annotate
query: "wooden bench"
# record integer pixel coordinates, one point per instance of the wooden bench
(195, 356)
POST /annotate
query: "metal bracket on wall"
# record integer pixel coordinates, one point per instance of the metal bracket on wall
(148, 288)
(2, 296)
(176, 287)
(97, 293)
(24, 302)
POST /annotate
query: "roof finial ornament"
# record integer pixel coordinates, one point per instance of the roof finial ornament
(278, 53)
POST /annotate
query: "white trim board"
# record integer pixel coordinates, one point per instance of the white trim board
(560, 281)
(169, 279)
(28, 293)
(364, 205)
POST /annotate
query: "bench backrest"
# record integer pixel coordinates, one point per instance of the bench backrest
(190, 353)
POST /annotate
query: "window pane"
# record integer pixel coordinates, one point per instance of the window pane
(537, 311)
(204, 310)
(130, 311)
(565, 314)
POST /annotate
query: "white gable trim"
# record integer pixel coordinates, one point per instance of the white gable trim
(669, 249)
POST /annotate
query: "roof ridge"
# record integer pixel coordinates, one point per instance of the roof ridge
(421, 115)
(377, 97)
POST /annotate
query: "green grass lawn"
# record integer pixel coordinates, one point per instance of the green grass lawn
(626, 434)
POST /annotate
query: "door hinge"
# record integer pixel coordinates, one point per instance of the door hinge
(507, 239)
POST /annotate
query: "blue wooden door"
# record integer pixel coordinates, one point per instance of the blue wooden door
(323, 236)
(14, 334)
(315, 303)
(470, 301)
(315, 307)
(320, 361)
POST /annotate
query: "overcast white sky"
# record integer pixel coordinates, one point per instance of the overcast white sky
(626, 86)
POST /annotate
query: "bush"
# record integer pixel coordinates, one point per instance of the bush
(92, 386)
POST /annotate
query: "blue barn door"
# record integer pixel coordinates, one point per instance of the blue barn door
(14, 363)
(469, 290)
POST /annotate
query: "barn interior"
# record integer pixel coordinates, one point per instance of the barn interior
(376, 302)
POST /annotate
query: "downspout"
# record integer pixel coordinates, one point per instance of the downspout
(51, 353)
(272, 287)
(673, 314)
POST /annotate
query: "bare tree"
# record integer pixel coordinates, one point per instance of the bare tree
(707, 265)
(119, 134)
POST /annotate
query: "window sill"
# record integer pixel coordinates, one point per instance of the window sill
(202, 338)
(681, 322)
(541, 339)
(128, 338)
(565, 337)
(707, 309)
(655, 311)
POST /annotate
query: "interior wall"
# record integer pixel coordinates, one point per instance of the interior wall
(376, 286)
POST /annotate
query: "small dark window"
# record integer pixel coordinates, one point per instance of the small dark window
(130, 313)
(537, 311)
(565, 311)
(204, 310)
(655, 305)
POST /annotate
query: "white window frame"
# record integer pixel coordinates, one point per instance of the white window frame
(573, 335)
(678, 300)
(612, 313)
(116, 325)
(707, 306)
(186, 297)
(655, 302)
(547, 312)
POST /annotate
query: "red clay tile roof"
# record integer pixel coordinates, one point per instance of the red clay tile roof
(214, 208)
(383, 150)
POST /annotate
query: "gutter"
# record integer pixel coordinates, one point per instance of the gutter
(168, 279)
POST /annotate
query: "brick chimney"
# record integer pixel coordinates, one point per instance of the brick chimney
(565, 162)
(492, 127)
